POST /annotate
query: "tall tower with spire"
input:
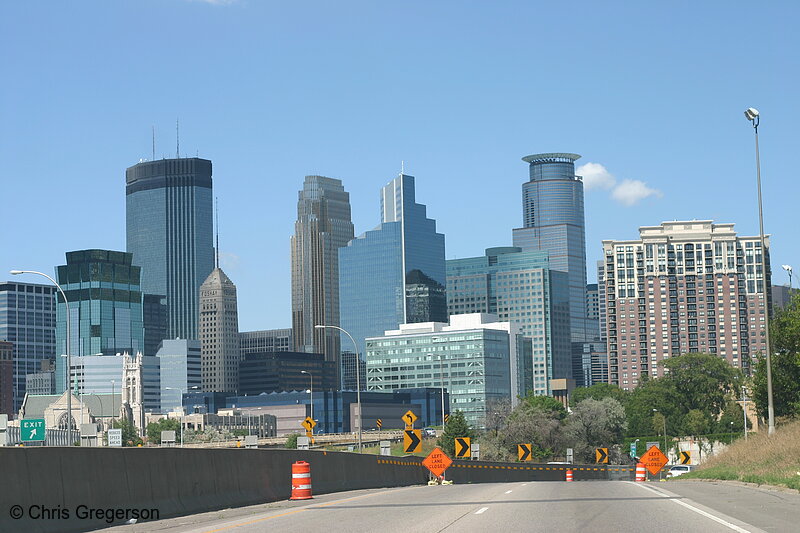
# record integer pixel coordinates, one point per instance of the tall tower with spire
(218, 325)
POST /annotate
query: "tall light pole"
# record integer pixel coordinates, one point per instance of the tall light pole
(69, 359)
(181, 391)
(752, 115)
(310, 397)
(788, 269)
(358, 377)
(744, 410)
(664, 418)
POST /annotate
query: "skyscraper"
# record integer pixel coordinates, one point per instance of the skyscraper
(394, 274)
(323, 226)
(692, 286)
(105, 303)
(219, 334)
(553, 221)
(28, 321)
(170, 234)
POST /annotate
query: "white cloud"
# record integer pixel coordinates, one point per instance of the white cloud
(595, 176)
(631, 192)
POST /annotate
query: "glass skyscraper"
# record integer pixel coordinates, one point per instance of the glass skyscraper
(105, 304)
(170, 234)
(553, 221)
(323, 226)
(518, 287)
(394, 274)
(28, 321)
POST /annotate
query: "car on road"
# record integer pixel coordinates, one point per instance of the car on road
(428, 432)
(678, 470)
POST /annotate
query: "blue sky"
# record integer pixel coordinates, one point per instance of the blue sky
(651, 94)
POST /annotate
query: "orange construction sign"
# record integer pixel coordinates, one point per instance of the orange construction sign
(654, 460)
(437, 462)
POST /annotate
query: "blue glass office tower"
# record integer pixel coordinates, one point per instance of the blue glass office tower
(519, 287)
(394, 274)
(169, 227)
(553, 221)
(28, 321)
(105, 304)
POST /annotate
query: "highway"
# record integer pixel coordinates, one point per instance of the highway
(597, 506)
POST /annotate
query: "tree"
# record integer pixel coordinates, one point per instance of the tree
(595, 423)
(598, 391)
(291, 441)
(546, 403)
(701, 381)
(732, 419)
(659, 423)
(696, 422)
(456, 427)
(130, 437)
(785, 340)
(154, 429)
(651, 394)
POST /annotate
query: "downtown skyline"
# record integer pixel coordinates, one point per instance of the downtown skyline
(665, 112)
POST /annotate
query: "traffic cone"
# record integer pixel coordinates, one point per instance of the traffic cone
(641, 472)
(301, 481)
(569, 475)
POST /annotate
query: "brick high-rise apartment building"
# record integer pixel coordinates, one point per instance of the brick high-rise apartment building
(683, 287)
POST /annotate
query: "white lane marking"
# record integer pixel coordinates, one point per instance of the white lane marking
(481, 510)
(508, 492)
(693, 508)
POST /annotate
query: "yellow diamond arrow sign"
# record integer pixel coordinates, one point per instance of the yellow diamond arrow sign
(412, 438)
(463, 447)
(308, 423)
(409, 418)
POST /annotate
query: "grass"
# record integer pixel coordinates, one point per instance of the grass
(760, 459)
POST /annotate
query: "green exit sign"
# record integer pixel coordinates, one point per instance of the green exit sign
(32, 429)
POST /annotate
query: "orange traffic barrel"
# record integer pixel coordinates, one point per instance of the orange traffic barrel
(641, 472)
(569, 475)
(301, 481)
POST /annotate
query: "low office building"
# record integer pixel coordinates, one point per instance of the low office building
(87, 408)
(337, 411)
(232, 421)
(284, 371)
(266, 340)
(476, 358)
(104, 374)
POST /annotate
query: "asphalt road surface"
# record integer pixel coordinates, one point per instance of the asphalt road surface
(597, 506)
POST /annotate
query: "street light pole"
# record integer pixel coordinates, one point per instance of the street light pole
(66, 338)
(752, 115)
(181, 391)
(358, 377)
(664, 418)
(744, 410)
(310, 397)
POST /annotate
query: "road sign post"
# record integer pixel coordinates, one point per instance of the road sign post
(654, 460)
(409, 418)
(570, 455)
(437, 462)
(601, 455)
(412, 440)
(302, 443)
(114, 437)
(379, 423)
(32, 430)
(524, 452)
(633, 449)
(685, 457)
(463, 447)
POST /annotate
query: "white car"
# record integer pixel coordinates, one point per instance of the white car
(678, 470)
